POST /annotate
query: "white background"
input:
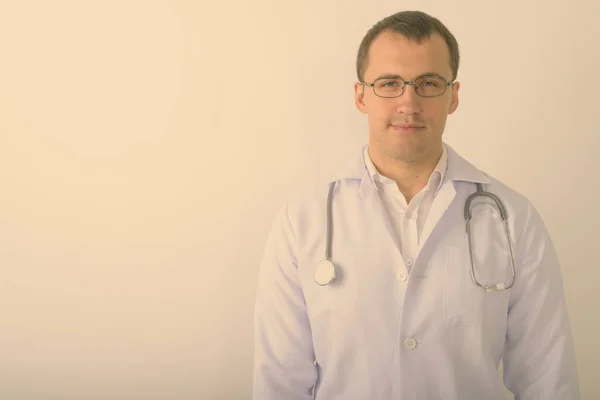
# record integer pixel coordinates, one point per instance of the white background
(145, 147)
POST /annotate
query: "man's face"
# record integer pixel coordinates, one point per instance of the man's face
(408, 128)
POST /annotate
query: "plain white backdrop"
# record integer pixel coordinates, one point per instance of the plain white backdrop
(145, 147)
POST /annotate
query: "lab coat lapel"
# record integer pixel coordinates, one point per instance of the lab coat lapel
(357, 170)
(440, 204)
(370, 196)
(458, 169)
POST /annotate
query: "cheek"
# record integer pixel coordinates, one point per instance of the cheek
(381, 112)
(437, 114)
(437, 123)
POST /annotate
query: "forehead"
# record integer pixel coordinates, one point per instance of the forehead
(393, 53)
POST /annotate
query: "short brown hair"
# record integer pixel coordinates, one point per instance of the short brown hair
(414, 25)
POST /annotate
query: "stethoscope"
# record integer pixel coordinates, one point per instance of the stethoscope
(325, 271)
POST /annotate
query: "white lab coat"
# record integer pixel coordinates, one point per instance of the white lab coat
(436, 335)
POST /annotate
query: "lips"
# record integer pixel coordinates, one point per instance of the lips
(407, 126)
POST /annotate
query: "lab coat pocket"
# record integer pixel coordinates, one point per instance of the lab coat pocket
(331, 305)
(333, 314)
(463, 304)
(461, 295)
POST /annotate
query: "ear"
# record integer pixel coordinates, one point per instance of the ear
(454, 101)
(359, 98)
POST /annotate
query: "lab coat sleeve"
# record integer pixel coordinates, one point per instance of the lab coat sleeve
(539, 356)
(283, 352)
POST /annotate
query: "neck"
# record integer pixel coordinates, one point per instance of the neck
(410, 176)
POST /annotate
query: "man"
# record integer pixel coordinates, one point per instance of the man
(416, 306)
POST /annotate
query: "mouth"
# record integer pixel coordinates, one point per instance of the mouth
(407, 128)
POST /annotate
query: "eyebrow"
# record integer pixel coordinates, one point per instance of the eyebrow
(395, 76)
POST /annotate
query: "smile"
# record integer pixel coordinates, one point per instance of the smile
(408, 128)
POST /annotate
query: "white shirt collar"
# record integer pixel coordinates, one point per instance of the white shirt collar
(383, 182)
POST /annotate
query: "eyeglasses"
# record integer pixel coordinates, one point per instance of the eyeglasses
(425, 86)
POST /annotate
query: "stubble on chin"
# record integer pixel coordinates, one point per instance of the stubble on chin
(408, 150)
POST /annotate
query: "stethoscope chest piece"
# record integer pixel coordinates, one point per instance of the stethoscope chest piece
(324, 273)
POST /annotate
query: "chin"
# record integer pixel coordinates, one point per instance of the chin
(405, 153)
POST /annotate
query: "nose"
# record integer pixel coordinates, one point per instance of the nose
(410, 101)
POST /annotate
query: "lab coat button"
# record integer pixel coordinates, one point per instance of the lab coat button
(401, 275)
(410, 343)
(409, 262)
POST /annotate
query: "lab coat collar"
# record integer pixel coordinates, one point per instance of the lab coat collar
(435, 180)
(458, 169)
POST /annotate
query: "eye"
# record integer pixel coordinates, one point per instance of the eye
(389, 83)
(430, 83)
